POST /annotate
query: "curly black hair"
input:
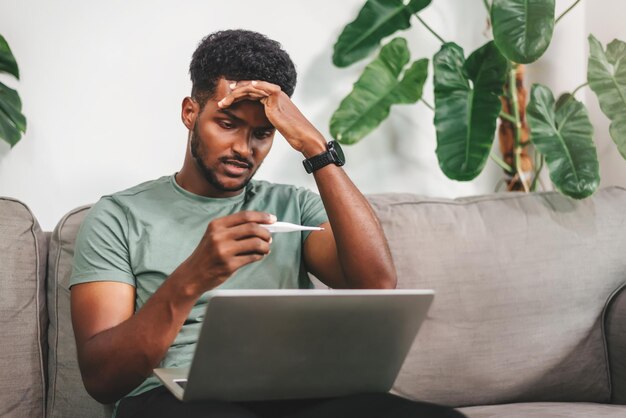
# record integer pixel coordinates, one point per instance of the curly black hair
(239, 55)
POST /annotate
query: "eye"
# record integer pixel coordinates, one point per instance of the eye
(263, 133)
(226, 124)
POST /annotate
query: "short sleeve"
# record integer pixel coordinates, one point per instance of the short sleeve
(312, 210)
(101, 252)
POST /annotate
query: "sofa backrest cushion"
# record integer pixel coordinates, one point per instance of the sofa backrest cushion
(23, 249)
(67, 397)
(521, 282)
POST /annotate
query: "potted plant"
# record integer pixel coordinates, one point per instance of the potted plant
(473, 92)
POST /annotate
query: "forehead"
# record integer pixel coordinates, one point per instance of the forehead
(221, 89)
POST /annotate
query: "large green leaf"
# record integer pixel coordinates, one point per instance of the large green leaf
(606, 74)
(522, 29)
(376, 20)
(12, 122)
(466, 113)
(562, 132)
(377, 90)
(7, 61)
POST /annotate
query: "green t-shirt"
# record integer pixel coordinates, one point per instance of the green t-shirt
(141, 235)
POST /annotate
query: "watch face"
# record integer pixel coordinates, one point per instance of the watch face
(338, 152)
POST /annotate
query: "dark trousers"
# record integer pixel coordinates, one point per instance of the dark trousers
(160, 403)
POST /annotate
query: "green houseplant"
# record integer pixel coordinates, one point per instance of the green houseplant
(12, 121)
(472, 93)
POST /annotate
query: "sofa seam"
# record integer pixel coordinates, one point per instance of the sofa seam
(39, 330)
(37, 301)
(56, 297)
(605, 311)
(460, 201)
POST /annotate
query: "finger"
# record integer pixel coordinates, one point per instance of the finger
(253, 245)
(266, 86)
(245, 217)
(253, 87)
(242, 260)
(249, 230)
(248, 89)
(245, 93)
(230, 99)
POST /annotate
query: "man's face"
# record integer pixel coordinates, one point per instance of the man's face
(229, 145)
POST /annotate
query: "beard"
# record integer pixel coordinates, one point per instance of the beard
(198, 153)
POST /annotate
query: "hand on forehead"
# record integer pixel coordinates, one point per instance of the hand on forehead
(232, 91)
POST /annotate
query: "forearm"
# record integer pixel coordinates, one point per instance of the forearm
(115, 361)
(118, 348)
(363, 255)
(361, 244)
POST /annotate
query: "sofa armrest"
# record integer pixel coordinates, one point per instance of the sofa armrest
(615, 332)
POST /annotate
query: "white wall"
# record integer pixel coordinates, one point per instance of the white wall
(102, 84)
(605, 19)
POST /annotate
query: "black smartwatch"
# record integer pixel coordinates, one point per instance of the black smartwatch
(332, 155)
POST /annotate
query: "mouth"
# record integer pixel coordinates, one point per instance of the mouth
(235, 168)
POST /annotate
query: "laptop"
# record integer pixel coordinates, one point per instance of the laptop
(296, 344)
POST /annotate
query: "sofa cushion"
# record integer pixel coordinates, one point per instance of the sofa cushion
(23, 249)
(67, 397)
(521, 282)
(546, 410)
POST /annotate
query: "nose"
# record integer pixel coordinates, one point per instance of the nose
(243, 144)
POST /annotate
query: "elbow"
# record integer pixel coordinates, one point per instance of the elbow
(389, 282)
(96, 383)
(107, 389)
(385, 279)
(108, 383)
(99, 393)
(392, 284)
(382, 276)
(388, 278)
(386, 272)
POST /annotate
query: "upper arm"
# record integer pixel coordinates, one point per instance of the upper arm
(321, 258)
(102, 281)
(98, 306)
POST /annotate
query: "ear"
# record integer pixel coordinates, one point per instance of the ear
(189, 112)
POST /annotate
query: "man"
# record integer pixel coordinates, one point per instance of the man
(145, 256)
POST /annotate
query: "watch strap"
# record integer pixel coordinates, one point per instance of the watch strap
(332, 155)
(318, 161)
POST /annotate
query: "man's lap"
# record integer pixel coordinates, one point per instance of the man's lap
(159, 402)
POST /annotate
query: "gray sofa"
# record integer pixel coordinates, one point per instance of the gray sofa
(529, 318)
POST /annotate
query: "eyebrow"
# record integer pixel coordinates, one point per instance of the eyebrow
(239, 120)
(230, 114)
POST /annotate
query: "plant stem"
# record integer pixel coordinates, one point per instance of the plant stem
(517, 124)
(430, 29)
(518, 167)
(501, 163)
(567, 11)
(579, 87)
(428, 105)
(487, 5)
(508, 117)
(572, 96)
(533, 186)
